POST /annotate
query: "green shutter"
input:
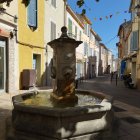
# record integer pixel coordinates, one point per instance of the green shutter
(134, 41)
(75, 32)
(70, 26)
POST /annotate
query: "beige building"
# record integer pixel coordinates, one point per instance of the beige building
(135, 41)
(8, 46)
(124, 51)
(95, 45)
(103, 59)
(129, 44)
(54, 20)
(75, 31)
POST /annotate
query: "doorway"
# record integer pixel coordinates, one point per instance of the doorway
(37, 67)
(133, 72)
(2, 66)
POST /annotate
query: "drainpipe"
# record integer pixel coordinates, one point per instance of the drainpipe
(65, 4)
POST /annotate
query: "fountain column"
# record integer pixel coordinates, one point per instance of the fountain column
(64, 67)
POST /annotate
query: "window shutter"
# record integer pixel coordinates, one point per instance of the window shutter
(53, 30)
(32, 13)
(131, 42)
(70, 26)
(53, 3)
(75, 32)
(80, 35)
(134, 41)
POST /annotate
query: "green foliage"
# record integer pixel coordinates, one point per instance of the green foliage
(80, 3)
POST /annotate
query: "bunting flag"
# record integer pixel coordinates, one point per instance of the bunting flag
(110, 16)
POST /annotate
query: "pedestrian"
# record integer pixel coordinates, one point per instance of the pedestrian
(112, 74)
(116, 78)
(76, 82)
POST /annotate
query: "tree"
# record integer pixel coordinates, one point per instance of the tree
(80, 3)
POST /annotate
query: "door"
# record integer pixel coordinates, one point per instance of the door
(133, 72)
(37, 67)
(2, 66)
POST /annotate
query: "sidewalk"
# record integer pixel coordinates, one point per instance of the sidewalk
(127, 116)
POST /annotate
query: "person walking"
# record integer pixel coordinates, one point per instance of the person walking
(111, 78)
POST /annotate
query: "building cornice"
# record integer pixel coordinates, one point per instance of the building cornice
(96, 35)
(14, 25)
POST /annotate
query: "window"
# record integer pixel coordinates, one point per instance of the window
(134, 41)
(80, 35)
(85, 30)
(90, 51)
(70, 26)
(85, 48)
(75, 32)
(32, 13)
(53, 30)
(53, 2)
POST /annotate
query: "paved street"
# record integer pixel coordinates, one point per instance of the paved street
(126, 106)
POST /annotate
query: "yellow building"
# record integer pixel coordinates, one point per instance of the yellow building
(30, 38)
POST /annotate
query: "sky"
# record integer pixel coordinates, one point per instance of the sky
(107, 29)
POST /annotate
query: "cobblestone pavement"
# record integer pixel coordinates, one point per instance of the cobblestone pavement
(126, 106)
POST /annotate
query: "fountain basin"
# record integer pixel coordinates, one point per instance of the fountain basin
(56, 123)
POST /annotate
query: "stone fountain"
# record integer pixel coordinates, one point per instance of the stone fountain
(64, 113)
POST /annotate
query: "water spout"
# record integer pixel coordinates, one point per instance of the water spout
(34, 89)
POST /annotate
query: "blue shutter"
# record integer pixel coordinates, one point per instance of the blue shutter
(32, 13)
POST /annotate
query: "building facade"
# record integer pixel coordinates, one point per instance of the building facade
(8, 47)
(30, 39)
(75, 31)
(129, 44)
(55, 15)
(135, 42)
(103, 59)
